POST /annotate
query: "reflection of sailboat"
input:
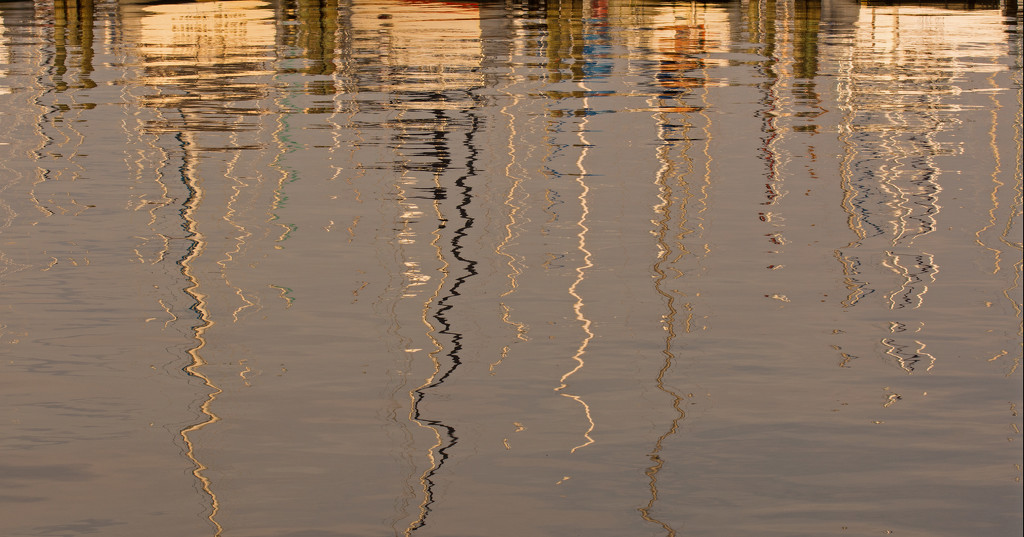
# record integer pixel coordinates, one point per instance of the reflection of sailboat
(191, 56)
(427, 64)
(201, 309)
(892, 175)
(908, 120)
(567, 62)
(686, 39)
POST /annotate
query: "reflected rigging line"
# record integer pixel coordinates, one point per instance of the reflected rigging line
(416, 394)
(665, 209)
(195, 196)
(449, 439)
(580, 275)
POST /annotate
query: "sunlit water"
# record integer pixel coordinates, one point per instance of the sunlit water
(458, 269)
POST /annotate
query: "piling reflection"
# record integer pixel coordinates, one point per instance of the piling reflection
(73, 43)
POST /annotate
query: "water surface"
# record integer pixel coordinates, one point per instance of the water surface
(370, 268)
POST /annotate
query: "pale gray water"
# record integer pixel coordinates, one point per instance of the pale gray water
(458, 269)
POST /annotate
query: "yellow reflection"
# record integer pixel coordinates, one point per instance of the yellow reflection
(917, 271)
(996, 183)
(664, 209)
(214, 34)
(61, 109)
(242, 235)
(429, 46)
(194, 368)
(191, 57)
(418, 52)
(895, 87)
(908, 356)
(511, 226)
(1006, 228)
(5, 57)
(692, 36)
(581, 271)
(415, 394)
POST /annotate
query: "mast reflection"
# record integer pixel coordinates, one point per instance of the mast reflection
(194, 59)
(686, 38)
(197, 245)
(428, 108)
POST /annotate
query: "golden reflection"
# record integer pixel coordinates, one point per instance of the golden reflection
(892, 129)
(917, 271)
(677, 222)
(217, 35)
(170, 314)
(60, 109)
(12, 176)
(1012, 212)
(908, 356)
(194, 60)
(73, 30)
(285, 176)
(581, 270)
(5, 57)
(285, 294)
(511, 227)
(407, 213)
(773, 30)
(243, 233)
(425, 47)
(996, 183)
(666, 196)
(416, 394)
(200, 306)
(424, 56)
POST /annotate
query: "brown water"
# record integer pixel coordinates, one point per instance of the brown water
(389, 267)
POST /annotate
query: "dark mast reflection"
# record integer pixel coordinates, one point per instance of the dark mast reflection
(466, 268)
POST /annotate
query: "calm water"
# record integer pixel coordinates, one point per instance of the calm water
(457, 269)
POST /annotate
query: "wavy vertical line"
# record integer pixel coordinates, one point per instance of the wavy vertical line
(581, 272)
(414, 394)
(199, 306)
(445, 435)
(665, 195)
(1015, 211)
(997, 184)
(229, 217)
(511, 228)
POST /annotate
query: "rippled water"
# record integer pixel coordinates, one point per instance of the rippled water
(395, 267)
